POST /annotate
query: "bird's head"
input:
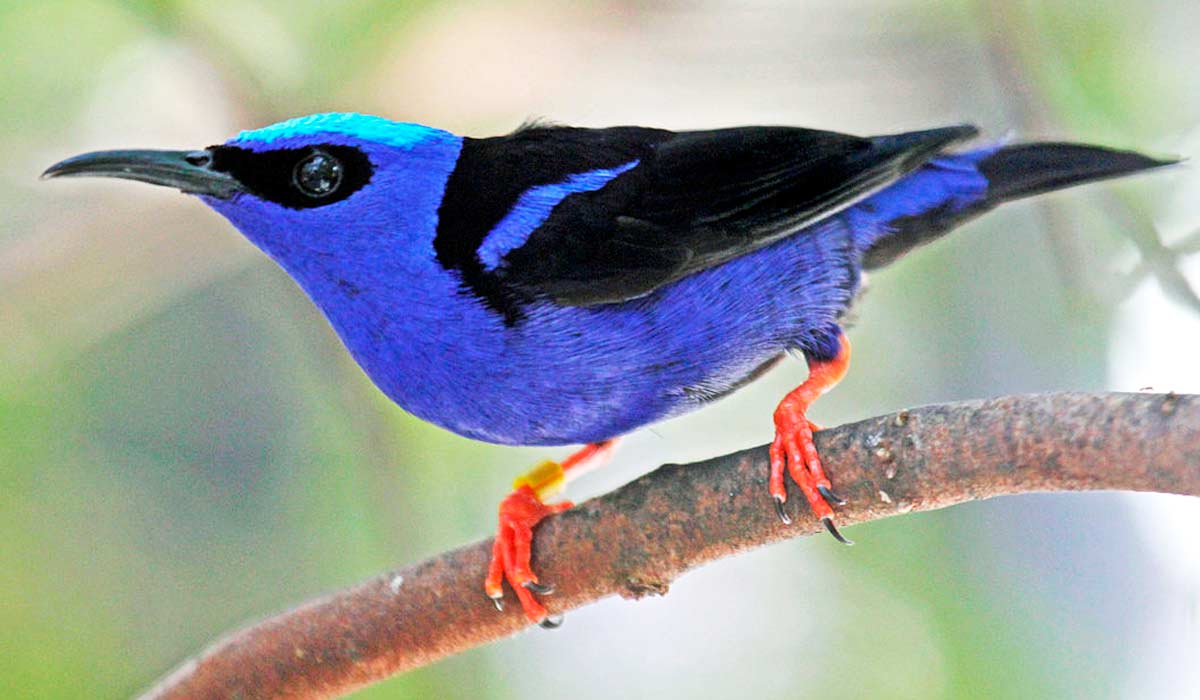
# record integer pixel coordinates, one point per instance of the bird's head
(317, 193)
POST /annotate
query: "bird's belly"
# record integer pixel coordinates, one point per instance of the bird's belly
(534, 398)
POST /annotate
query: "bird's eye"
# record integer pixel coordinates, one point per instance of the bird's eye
(306, 177)
(318, 175)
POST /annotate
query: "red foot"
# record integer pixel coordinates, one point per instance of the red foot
(793, 448)
(520, 511)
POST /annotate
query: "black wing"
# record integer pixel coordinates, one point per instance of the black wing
(695, 199)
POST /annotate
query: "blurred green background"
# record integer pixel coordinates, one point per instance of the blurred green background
(184, 444)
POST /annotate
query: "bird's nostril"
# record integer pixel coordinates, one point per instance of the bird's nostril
(199, 158)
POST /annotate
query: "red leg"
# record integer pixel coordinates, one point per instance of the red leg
(520, 511)
(793, 448)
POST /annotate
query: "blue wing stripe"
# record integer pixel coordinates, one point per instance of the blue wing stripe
(534, 206)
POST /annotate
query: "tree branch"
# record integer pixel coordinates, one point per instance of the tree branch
(634, 541)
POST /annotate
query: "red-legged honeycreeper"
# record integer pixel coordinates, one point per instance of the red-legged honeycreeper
(562, 286)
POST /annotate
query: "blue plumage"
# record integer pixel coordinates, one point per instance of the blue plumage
(360, 127)
(951, 181)
(567, 374)
(557, 285)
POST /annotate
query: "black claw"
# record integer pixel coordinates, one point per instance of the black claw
(834, 531)
(828, 494)
(551, 622)
(539, 589)
(499, 603)
(787, 520)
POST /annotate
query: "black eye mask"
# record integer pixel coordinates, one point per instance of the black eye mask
(297, 178)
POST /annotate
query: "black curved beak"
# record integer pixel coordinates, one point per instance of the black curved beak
(188, 171)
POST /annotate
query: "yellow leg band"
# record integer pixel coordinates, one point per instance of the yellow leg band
(545, 478)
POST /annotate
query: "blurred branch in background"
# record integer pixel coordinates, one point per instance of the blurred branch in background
(634, 541)
(1013, 35)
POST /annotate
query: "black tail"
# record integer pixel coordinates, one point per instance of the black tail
(1033, 168)
(1012, 172)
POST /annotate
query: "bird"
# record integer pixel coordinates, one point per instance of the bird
(561, 285)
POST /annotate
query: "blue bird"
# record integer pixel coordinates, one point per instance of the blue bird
(561, 285)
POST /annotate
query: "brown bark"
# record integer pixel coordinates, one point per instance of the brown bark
(635, 540)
